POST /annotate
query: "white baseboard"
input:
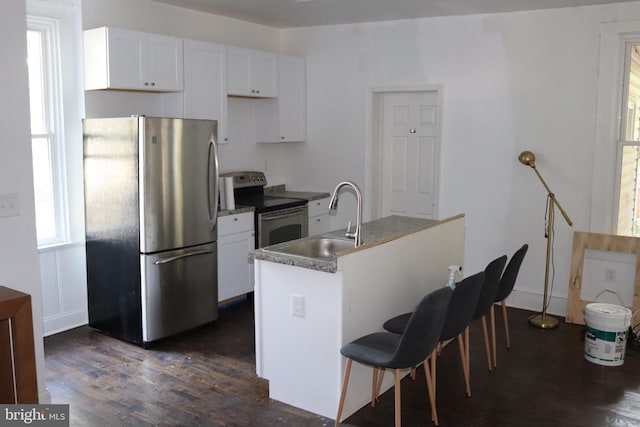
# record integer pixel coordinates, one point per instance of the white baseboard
(63, 322)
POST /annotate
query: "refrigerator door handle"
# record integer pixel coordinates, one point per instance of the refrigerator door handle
(177, 257)
(213, 204)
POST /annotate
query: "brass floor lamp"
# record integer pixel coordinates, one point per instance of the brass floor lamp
(542, 320)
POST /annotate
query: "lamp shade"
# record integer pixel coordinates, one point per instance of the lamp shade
(527, 158)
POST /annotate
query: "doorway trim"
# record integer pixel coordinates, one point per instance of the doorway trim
(373, 143)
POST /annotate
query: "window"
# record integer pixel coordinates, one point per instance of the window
(47, 137)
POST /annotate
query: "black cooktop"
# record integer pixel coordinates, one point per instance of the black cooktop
(267, 203)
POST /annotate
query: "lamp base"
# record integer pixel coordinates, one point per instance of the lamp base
(543, 321)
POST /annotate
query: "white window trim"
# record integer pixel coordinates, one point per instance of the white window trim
(605, 185)
(50, 26)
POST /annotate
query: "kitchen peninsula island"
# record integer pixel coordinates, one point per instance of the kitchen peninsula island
(307, 309)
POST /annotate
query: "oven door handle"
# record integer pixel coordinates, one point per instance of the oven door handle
(272, 217)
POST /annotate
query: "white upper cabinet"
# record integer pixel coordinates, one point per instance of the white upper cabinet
(284, 119)
(205, 83)
(115, 58)
(252, 73)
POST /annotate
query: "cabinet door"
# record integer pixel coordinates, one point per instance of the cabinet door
(292, 98)
(284, 119)
(235, 271)
(252, 73)
(319, 221)
(319, 225)
(126, 59)
(205, 83)
(165, 63)
(239, 75)
(264, 69)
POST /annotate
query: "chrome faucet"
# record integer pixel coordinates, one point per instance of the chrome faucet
(333, 205)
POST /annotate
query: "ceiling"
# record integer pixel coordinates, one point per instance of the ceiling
(306, 13)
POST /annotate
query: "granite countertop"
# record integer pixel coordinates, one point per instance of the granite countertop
(237, 210)
(373, 233)
(304, 195)
(281, 191)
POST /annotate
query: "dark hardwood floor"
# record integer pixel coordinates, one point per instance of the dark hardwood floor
(206, 377)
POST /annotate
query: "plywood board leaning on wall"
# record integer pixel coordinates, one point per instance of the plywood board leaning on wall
(603, 242)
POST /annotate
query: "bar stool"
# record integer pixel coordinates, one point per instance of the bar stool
(388, 350)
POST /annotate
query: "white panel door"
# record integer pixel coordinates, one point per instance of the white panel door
(410, 143)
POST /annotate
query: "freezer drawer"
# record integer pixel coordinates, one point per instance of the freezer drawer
(179, 290)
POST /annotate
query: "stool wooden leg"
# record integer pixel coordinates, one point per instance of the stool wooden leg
(506, 323)
(374, 387)
(431, 387)
(380, 378)
(465, 365)
(466, 347)
(486, 341)
(343, 393)
(397, 395)
(493, 336)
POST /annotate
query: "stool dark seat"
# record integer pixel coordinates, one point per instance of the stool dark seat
(388, 350)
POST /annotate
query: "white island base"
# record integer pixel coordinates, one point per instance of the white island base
(304, 316)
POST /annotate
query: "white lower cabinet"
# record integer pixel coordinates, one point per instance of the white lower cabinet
(235, 242)
(319, 216)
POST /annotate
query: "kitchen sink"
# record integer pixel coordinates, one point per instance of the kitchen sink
(322, 248)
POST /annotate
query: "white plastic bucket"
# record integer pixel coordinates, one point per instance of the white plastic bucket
(606, 336)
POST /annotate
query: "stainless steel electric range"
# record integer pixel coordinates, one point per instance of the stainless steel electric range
(277, 219)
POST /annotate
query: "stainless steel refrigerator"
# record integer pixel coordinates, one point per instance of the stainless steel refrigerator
(151, 199)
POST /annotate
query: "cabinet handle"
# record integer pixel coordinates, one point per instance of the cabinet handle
(253, 91)
(153, 83)
(226, 139)
(282, 137)
(257, 91)
(146, 83)
(235, 219)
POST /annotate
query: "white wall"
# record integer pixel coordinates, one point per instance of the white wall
(511, 82)
(18, 252)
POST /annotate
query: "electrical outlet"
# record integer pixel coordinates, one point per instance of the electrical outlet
(297, 305)
(609, 275)
(9, 205)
